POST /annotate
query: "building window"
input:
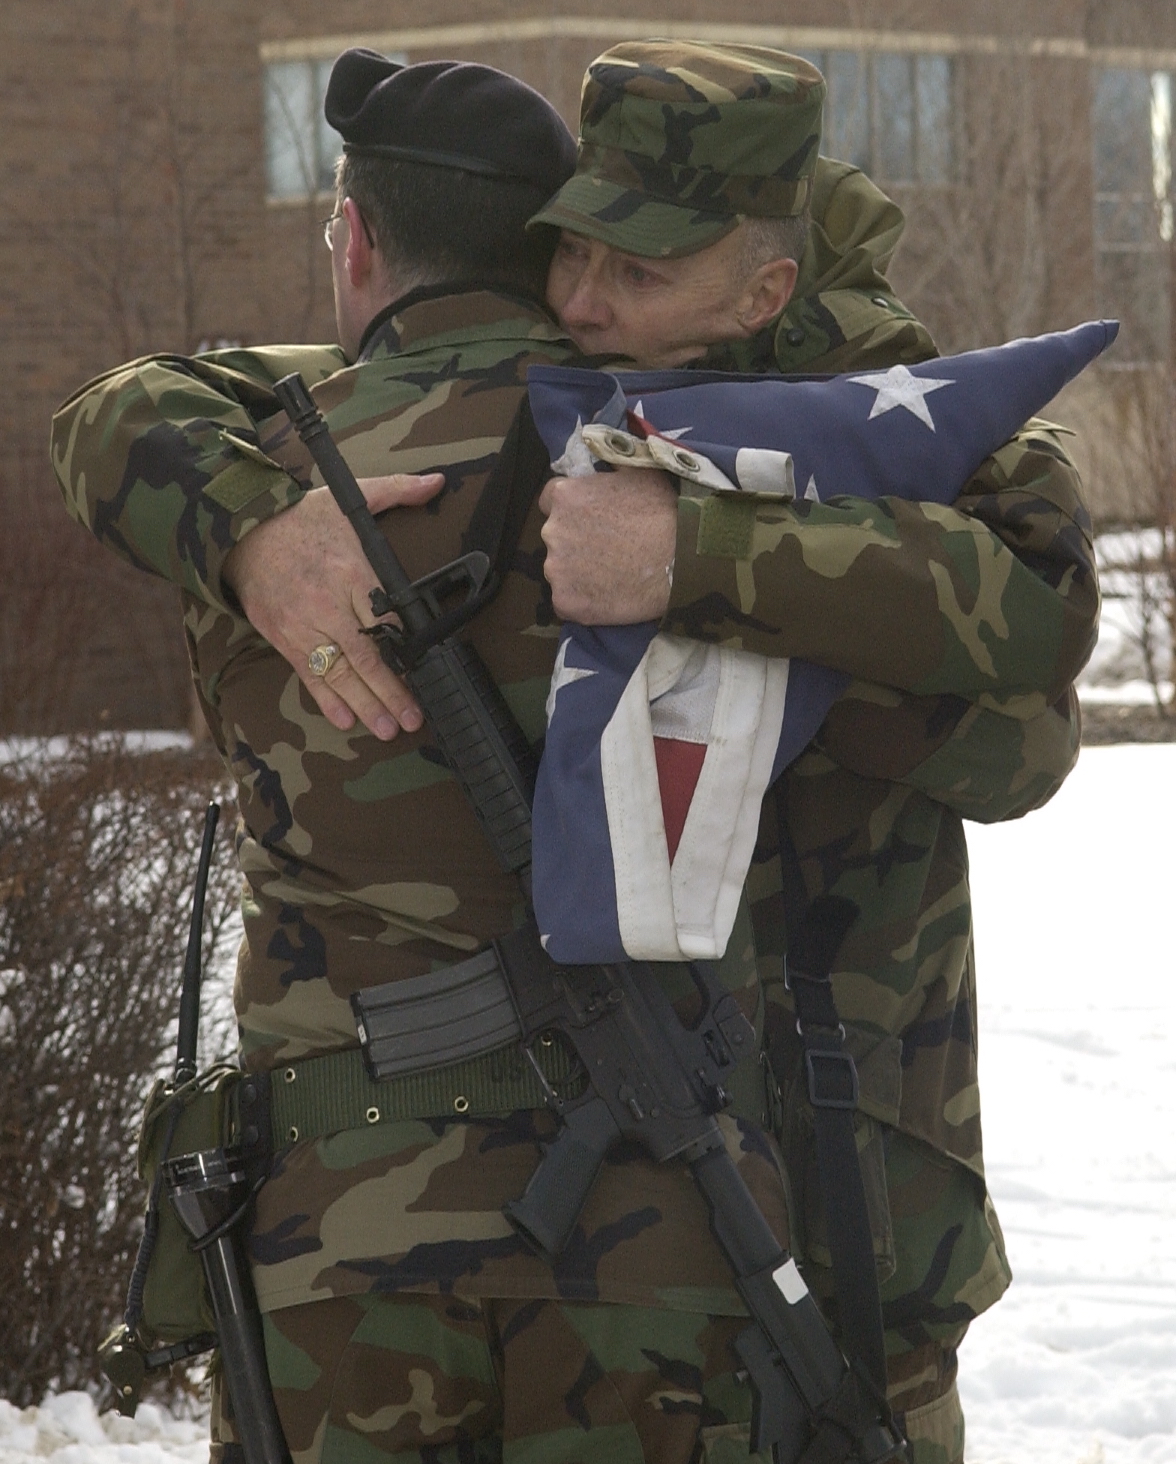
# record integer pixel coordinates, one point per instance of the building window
(890, 113)
(1132, 141)
(300, 148)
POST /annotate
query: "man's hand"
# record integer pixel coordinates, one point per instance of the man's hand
(303, 581)
(610, 545)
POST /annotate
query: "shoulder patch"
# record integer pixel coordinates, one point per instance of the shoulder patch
(248, 449)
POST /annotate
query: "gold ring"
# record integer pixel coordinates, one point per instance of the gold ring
(322, 658)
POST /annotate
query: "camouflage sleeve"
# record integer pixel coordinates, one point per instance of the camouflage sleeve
(986, 761)
(991, 599)
(266, 364)
(162, 460)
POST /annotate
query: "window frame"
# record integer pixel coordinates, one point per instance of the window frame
(867, 106)
(313, 143)
(1139, 291)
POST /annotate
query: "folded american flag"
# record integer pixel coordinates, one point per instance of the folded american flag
(659, 749)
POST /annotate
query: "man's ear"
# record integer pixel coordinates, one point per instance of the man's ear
(766, 294)
(359, 256)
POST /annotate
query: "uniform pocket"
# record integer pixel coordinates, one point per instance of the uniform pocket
(198, 1116)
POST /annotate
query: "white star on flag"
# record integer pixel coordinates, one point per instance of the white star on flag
(898, 387)
(563, 675)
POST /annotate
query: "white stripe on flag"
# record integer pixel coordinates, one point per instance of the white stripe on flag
(636, 829)
(687, 913)
(718, 839)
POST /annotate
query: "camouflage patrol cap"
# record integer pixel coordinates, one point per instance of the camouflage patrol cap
(450, 114)
(679, 140)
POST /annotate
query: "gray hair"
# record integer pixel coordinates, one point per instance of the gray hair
(766, 239)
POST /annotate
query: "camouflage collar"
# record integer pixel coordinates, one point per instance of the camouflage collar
(445, 315)
(844, 313)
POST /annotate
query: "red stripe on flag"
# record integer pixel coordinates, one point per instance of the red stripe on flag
(678, 767)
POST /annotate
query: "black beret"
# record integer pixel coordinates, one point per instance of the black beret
(452, 114)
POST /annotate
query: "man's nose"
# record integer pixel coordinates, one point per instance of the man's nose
(588, 303)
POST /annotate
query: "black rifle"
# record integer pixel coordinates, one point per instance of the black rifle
(649, 1078)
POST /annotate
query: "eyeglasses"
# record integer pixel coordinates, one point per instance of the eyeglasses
(328, 224)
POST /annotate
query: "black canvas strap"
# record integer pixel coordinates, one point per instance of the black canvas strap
(459, 590)
(815, 931)
(519, 472)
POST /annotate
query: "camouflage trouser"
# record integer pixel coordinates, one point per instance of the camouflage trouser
(922, 1392)
(435, 1380)
(424, 1379)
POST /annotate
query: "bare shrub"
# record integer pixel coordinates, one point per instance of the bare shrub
(1133, 443)
(998, 254)
(98, 851)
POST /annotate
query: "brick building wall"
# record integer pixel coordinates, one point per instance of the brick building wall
(136, 219)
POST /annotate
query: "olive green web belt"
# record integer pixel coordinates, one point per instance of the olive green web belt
(326, 1095)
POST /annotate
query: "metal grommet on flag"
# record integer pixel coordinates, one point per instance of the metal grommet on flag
(461, 1104)
(372, 1115)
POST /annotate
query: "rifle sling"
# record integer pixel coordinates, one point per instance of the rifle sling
(833, 1092)
(515, 479)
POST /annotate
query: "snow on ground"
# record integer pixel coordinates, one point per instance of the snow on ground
(1078, 1073)
(1077, 1365)
(68, 1430)
(1134, 624)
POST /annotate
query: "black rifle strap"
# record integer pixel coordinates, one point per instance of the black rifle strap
(519, 471)
(516, 475)
(815, 930)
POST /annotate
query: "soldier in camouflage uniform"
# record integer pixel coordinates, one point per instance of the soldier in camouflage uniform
(872, 811)
(404, 1319)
